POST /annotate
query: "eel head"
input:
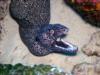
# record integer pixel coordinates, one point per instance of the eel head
(51, 36)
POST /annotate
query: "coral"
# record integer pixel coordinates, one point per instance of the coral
(89, 10)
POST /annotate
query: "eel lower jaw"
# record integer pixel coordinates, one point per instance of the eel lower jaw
(65, 47)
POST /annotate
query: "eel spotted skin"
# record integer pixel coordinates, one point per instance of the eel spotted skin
(33, 17)
(30, 13)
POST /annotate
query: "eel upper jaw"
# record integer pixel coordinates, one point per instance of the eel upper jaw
(65, 47)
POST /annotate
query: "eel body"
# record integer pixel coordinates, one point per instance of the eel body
(33, 17)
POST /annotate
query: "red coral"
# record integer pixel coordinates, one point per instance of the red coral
(92, 1)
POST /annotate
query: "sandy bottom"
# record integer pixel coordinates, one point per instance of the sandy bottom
(12, 49)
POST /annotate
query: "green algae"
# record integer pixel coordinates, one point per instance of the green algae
(19, 69)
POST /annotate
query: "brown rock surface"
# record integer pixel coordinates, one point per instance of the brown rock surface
(87, 69)
(93, 46)
(0, 31)
(4, 5)
(97, 67)
(83, 69)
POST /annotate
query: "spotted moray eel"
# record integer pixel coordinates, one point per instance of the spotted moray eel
(41, 38)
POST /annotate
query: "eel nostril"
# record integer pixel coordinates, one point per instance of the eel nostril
(24, 0)
(36, 39)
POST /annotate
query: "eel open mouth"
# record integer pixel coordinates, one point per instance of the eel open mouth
(51, 38)
(65, 47)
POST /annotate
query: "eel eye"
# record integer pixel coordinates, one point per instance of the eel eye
(51, 32)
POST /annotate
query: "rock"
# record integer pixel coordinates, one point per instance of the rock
(93, 46)
(87, 69)
(53, 73)
(97, 67)
(2, 30)
(4, 5)
(83, 69)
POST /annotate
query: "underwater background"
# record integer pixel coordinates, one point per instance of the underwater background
(13, 51)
